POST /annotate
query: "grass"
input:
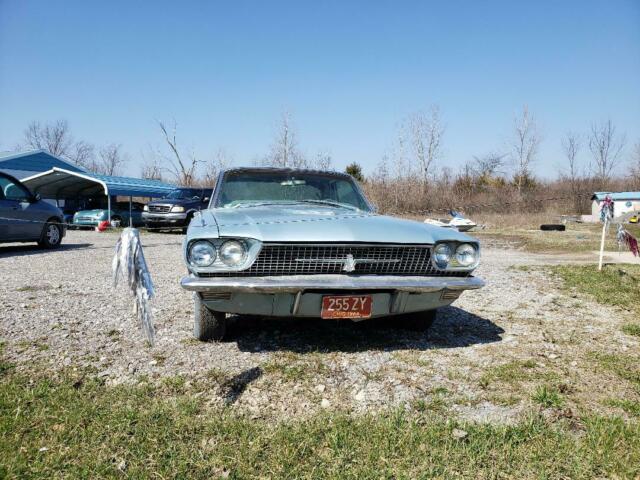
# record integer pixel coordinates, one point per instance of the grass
(526, 233)
(548, 397)
(632, 329)
(65, 427)
(616, 285)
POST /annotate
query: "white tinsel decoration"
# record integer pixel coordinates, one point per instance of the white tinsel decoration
(129, 263)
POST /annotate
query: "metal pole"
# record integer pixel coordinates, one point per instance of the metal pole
(130, 211)
(109, 207)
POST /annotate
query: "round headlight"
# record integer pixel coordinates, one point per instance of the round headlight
(466, 255)
(442, 255)
(202, 253)
(233, 253)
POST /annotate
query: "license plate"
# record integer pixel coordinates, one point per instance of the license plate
(346, 306)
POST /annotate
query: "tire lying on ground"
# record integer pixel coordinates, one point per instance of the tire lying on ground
(553, 227)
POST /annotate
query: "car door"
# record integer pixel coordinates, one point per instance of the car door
(21, 215)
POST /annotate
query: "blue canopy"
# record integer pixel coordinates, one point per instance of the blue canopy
(61, 183)
(616, 196)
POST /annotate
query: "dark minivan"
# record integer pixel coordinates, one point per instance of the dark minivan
(176, 209)
(24, 217)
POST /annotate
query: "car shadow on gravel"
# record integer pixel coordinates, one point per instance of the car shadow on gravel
(454, 328)
(33, 249)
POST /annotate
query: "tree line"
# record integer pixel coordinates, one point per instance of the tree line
(410, 177)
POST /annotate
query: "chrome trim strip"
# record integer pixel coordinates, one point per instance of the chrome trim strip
(298, 283)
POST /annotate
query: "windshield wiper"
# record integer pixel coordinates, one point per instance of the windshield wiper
(330, 202)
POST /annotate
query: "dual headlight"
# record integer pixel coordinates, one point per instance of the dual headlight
(452, 255)
(203, 253)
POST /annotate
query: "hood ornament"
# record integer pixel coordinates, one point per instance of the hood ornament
(349, 264)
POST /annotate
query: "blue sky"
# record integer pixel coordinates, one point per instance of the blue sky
(348, 71)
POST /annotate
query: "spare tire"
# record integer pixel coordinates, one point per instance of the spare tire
(553, 227)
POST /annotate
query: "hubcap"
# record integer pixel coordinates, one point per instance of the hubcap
(53, 234)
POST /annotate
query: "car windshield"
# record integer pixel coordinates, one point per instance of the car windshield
(184, 194)
(249, 188)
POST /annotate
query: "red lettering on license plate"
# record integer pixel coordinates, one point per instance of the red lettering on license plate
(346, 306)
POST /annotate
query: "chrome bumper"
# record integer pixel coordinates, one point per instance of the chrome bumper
(299, 283)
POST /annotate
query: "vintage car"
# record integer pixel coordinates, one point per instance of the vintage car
(304, 243)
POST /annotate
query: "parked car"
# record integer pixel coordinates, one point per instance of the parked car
(176, 209)
(302, 243)
(119, 214)
(24, 217)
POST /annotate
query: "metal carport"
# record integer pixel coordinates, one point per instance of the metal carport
(59, 183)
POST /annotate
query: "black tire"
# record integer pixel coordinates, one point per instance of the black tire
(51, 236)
(208, 325)
(553, 227)
(417, 321)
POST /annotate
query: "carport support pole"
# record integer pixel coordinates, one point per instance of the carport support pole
(109, 208)
(130, 211)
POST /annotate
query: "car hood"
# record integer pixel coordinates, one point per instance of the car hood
(311, 223)
(174, 201)
(97, 211)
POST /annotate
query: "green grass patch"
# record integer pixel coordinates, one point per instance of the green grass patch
(66, 428)
(512, 372)
(632, 407)
(616, 285)
(632, 329)
(626, 367)
(548, 396)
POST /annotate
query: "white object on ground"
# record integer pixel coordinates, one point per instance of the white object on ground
(458, 222)
(129, 263)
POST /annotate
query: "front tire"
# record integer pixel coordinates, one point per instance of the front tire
(51, 235)
(208, 325)
(417, 321)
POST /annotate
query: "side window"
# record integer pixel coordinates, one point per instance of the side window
(13, 191)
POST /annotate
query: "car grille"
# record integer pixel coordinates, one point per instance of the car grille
(84, 219)
(160, 208)
(313, 259)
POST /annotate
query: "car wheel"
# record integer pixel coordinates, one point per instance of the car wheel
(117, 220)
(51, 235)
(417, 321)
(208, 325)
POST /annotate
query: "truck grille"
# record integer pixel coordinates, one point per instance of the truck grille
(159, 208)
(313, 259)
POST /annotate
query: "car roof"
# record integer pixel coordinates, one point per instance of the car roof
(285, 170)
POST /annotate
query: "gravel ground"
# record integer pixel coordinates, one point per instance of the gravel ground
(60, 312)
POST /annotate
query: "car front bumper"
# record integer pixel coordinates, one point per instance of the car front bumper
(165, 219)
(299, 283)
(302, 295)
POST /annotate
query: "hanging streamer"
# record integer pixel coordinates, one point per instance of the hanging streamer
(129, 263)
(626, 239)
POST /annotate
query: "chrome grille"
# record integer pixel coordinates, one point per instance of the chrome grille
(160, 208)
(313, 259)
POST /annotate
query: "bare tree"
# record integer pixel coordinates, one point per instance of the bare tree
(606, 147)
(151, 170)
(424, 132)
(55, 138)
(111, 160)
(181, 168)
(635, 164)
(489, 165)
(220, 161)
(525, 147)
(284, 150)
(83, 155)
(323, 161)
(571, 145)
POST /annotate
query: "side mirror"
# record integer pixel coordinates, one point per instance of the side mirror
(36, 198)
(205, 199)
